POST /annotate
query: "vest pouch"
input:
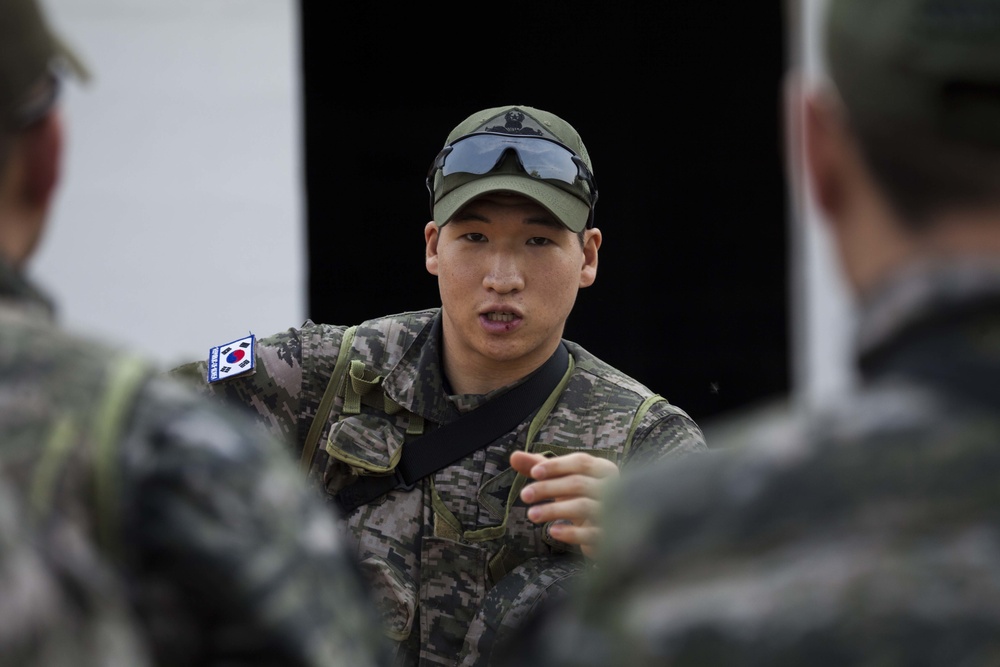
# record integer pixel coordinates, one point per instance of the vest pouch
(452, 589)
(396, 599)
(366, 444)
(511, 603)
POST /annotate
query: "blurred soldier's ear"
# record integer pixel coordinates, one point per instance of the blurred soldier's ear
(43, 147)
(826, 153)
(28, 186)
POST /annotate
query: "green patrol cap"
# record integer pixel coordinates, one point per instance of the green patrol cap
(476, 161)
(28, 48)
(929, 65)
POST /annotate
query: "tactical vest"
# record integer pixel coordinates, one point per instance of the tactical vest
(514, 585)
(356, 383)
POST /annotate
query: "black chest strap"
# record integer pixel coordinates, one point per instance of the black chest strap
(453, 441)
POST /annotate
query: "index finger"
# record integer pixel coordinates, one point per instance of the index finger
(577, 463)
(523, 462)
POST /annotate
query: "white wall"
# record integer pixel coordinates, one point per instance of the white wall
(180, 220)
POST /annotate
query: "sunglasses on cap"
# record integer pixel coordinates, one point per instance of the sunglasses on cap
(538, 157)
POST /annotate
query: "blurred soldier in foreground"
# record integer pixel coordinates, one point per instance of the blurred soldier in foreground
(60, 606)
(867, 534)
(225, 556)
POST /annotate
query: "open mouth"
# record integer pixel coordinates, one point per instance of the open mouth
(500, 317)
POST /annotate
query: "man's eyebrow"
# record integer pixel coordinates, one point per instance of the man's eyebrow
(546, 221)
(468, 216)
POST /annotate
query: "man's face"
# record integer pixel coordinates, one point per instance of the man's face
(508, 273)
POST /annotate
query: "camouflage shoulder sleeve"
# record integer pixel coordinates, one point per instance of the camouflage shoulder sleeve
(235, 561)
(272, 392)
(665, 430)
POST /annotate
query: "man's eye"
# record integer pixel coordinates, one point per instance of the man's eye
(476, 237)
(539, 240)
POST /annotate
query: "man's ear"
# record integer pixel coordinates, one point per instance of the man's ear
(591, 244)
(431, 235)
(42, 149)
(825, 153)
(28, 187)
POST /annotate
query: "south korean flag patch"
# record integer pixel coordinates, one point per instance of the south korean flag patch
(231, 359)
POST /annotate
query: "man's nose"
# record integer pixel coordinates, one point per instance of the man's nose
(504, 274)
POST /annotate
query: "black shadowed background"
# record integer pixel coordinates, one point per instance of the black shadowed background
(679, 106)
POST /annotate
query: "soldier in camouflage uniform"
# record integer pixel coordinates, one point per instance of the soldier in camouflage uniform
(866, 532)
(458, 557)
(223, 554)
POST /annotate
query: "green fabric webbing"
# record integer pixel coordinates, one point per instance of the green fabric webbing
(106, 434)
(56, 449)
(639, 414)
(323, 411)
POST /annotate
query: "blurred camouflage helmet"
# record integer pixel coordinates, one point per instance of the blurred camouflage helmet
(553, 167)
(28, 50)
(929, 65)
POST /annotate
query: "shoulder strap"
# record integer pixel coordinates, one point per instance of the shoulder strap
(101, 428)
(126, 380)
(637, 419)
(323, 411)
(457, 439)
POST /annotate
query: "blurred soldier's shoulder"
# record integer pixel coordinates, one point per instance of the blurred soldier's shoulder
(60, 604)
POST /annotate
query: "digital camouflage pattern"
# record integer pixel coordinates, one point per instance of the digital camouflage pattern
(455, 562)
(866, 535)
(227, 557)
(60, 606)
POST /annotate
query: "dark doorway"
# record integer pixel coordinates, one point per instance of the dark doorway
(679, 106)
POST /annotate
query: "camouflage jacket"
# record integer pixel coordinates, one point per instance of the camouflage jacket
(60, 605)
(225, 555)
(454, 562)
(864, 534)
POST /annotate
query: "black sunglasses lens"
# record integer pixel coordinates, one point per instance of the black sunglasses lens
(540, 158)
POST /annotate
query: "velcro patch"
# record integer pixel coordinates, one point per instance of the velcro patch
(235, 358)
